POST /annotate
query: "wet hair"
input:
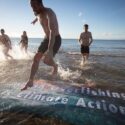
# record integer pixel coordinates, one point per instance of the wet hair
(24, 31)
(86, 25)
(39, 1)
(2, 30)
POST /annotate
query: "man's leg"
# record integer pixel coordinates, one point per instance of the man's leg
(6, 53)
(87, 53)
(10, 56)
(34, 69)
(50, 62)
(56, 48)
(26, 46)
(83, 59)
(87, 56)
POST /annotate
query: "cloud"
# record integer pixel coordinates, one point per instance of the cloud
(107, 34)
(80, 14)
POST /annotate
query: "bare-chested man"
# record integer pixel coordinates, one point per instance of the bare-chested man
(51, 43)
(85, 41)
(6, 43)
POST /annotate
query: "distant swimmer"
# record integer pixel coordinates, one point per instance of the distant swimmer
(51, 42)
(6, 43)
(85, 41)
(24, 41)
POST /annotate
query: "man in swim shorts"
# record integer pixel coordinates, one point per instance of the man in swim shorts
(51, 42)
(85, 41)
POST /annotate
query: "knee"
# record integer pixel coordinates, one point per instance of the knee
(37, 58)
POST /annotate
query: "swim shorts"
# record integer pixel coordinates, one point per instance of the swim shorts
(44, 45)
(84, 49)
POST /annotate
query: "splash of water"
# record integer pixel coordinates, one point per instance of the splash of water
(16, 53)
(2, 57)
(68, 74)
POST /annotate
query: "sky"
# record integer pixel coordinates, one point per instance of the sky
(106, 18)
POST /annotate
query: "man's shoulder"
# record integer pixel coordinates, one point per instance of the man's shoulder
(50, 11)
(89, 32)
(82, 33)
(5, 35)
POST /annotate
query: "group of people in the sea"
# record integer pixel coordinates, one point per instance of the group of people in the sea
(51, 42)
(5, 43)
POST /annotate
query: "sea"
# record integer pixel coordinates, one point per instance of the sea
(105, 70)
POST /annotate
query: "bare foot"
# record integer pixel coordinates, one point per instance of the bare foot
(29, 84)
(55, 70)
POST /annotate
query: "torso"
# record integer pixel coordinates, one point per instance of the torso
(44, 19)
(4, 39)
(24, 39)
(85, 38)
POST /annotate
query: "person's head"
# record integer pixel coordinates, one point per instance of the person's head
(36, 6)
(86, 26)
(24, 32)
(2, 31)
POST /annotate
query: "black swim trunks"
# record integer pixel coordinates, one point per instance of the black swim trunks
(84, 49)
(44, 45)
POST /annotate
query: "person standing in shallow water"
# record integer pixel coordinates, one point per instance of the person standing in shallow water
(24, 41)
(6, 43)
(85, 41)
(51, 42)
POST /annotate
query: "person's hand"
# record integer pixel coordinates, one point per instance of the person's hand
(33, 22)
(48, 57)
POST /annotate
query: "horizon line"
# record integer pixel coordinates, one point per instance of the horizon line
(71, 38)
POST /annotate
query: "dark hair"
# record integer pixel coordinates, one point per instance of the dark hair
(86, 25)
(2, 30)
(39, 1)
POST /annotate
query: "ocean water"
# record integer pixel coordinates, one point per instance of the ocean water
(105, 69)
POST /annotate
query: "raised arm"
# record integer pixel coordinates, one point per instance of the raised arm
(34, 21)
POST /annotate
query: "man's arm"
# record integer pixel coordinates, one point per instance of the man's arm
(21, 40)
(48, 56)
(34, 21)
(80, 38)
(0, 39)
(52, 34)
(9, 41)
(91, 39)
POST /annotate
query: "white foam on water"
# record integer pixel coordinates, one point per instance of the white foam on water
(16, 53)
(68, 74)
(2, 57)
(74, 53)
